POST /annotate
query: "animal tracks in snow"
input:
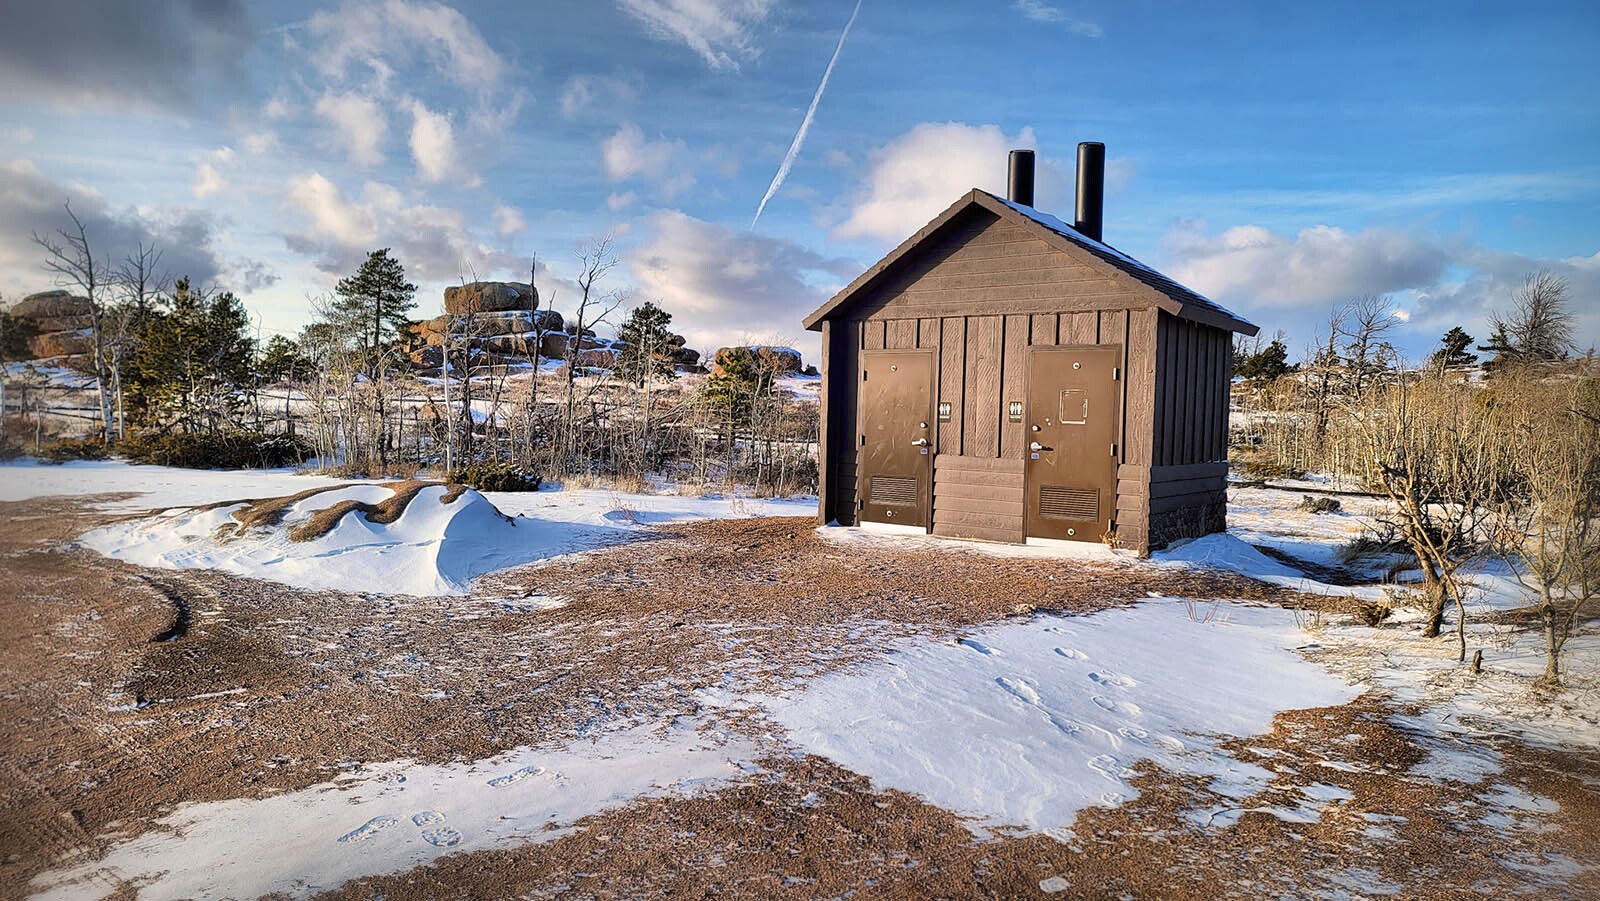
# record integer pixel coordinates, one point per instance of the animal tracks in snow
(1072, 653)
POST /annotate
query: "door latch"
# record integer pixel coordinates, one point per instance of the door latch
(1036, 446)
(920, 442)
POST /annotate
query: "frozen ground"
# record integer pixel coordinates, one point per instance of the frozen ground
(1179, 715)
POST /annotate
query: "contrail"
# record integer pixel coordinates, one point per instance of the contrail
(805, 124)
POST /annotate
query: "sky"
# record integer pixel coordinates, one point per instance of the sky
(1278, 158)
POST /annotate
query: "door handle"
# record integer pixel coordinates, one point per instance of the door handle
(1036, 446)
(920, 442)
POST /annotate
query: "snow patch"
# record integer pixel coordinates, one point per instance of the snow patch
(394, 816)
(1026, 723)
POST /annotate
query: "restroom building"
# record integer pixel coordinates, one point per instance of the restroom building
(1004, 375)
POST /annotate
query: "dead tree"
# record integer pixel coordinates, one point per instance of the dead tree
(70, 258)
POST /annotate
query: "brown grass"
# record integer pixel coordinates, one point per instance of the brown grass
(383, 513)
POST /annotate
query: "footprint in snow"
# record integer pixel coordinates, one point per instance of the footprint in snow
(1170, 743)
(978, 646)
(368, 829)
(1072, 653)
(1123, 707)
(1135, 733)
(526, 772)
(434, 831)
(1114, 679)
(1018, 689)
(1107, 766)
(1113, 799)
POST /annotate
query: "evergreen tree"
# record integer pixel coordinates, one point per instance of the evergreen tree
(371, 309)
(281, 360)
(1452, 352)
(15, 333)
(1267, 364)
(192, 359)
(649, 345)
(740, 378)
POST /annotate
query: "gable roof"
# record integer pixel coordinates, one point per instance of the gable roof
(1126, 271)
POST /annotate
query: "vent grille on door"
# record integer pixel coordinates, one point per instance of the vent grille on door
(1069, 503)
(893, 491)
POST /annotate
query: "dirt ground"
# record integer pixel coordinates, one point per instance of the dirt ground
(256, 688)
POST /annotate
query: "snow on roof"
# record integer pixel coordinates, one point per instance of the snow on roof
(1133, 267)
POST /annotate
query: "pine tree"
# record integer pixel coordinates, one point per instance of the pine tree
(649, 344)
(1452, 352)
(281, 360)
(372, 308)
(192, 359)
(1265, 365)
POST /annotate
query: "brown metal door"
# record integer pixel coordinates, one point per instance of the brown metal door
(896, 438)
(1073, 418)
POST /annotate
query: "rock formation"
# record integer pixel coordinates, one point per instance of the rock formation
(64, 323)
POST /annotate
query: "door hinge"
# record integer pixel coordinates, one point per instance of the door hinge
(861, 503)
(1113, 448)
(1116, 373)
(863, 375)
(863, 440)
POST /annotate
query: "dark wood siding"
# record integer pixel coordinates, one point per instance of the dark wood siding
(978, 295)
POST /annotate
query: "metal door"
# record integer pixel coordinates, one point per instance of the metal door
(1074, 414)
(896, 436)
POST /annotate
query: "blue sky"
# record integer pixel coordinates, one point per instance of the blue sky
(1279, 158)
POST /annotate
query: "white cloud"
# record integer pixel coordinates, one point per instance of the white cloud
(583, 91)
(720, 31)
(433, 143)
(1317, 266)
(208, 179)
(1292, 281)
(333, 216)
(616, 203)
(434, 243)
(508, 222)
(920, 173)
(260, 143)
(1039, 11)
(379, 35)
(724, 286)
(356, 124)
(627, 155)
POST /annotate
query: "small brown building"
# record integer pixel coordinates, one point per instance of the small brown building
(1003, 375)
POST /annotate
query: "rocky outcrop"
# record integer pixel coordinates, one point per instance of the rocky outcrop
(490, 297)
(52, 304)
(780, 360)
(63, 324)
(493, 323)
(62, 344)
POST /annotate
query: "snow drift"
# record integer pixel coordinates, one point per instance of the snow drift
(393, 538)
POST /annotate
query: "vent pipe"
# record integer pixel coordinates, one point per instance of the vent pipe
(1019, 185)
(1090, 211)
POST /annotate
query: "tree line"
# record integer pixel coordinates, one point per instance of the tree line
(364, 389)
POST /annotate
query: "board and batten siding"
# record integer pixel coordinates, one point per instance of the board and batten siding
(1030, 295)
(1189, 471)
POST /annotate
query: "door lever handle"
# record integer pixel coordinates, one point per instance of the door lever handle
(920, 442)
(1036, 446)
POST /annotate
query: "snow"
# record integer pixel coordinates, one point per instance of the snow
(433, 549)
(1026, 723)
(397, 815)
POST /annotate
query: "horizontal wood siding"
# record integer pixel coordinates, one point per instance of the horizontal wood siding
(977, 497)
(980, 264)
